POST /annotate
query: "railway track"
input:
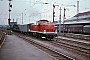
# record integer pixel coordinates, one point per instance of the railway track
(76, 45)
(55, 52)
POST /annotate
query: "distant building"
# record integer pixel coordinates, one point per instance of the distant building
(55, 22)
(13, 23)
(4, 26)
(79, 18)
(1, 26)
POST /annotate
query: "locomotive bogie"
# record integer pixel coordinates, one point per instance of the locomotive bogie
(46, 35)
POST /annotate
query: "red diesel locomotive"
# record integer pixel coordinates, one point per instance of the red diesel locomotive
(43, 29)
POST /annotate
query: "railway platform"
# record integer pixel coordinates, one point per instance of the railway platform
(77, 40)
(15, 48)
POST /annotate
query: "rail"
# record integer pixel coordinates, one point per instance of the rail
(78, 36)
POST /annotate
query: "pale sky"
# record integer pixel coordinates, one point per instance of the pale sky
(34, 10)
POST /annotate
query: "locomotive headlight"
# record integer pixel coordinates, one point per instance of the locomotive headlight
(44, 31)
(56, 31)
(11, 31)
(29, 30)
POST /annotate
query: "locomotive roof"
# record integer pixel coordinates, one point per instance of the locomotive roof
(43, 20)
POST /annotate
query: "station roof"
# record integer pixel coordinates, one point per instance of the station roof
(80, 18)
(82, 14)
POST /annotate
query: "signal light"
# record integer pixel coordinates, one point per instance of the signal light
(10, 5)
(53, 14)
(53, 6)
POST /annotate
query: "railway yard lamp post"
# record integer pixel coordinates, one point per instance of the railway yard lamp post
(77, 9)
(64, 21)
(60, 21)
(22, 16)
(29, 19)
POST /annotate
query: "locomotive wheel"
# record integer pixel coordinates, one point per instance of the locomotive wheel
(39, 36)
